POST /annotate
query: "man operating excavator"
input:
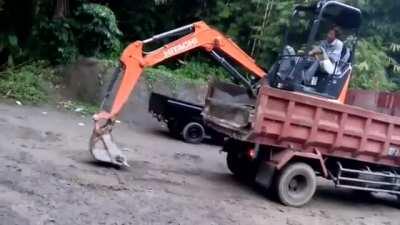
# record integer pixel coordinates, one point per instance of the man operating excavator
(323, 57)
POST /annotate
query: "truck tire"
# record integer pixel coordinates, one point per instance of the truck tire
(193, 133)
(241, 167)
(296, 184)
(233, 162)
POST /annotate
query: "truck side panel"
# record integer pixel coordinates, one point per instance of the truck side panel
(167, 108)
(307, 123)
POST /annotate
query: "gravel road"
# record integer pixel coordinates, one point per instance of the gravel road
(47, 177)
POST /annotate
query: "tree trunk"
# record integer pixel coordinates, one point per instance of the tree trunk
(61, 10)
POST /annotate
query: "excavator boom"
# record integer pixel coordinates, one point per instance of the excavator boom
(196, 36)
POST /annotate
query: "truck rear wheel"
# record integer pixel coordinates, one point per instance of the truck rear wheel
(233, 162)
(193, 133)
(296, 184)
(240, 166)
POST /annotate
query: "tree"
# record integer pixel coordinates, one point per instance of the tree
(380, 32)
(256, 25)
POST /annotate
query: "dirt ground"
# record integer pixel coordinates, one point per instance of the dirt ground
(48, 177)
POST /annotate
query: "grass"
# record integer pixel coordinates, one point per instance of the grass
(25, 82)
(191, 72)
(83, 108)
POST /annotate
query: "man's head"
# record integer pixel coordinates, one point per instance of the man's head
(333, 34)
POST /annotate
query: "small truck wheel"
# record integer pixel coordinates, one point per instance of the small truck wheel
(296, 184)
(193, 133)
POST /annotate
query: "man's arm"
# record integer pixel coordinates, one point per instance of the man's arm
(334, 50)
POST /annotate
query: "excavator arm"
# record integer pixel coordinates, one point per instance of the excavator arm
(134, 60)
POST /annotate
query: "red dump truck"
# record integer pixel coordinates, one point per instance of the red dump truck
(285, 139)
(297, 126)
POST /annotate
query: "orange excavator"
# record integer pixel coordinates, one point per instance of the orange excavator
(134, 60)
(199, 36)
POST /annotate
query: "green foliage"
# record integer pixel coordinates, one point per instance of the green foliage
(191, 70)
(256, 25)
(91, 31)
(370, 70)
(10, 42)
(25, 82)
(200, 71)
(382, 27)
(268, 32)
(96, 30)
(56, 40)
(170, 77)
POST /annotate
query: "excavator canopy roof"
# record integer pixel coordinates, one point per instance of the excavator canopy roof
(345, 16)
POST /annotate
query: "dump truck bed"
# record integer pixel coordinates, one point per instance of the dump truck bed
(306, 123)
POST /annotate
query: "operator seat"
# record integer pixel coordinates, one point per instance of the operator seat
(332, 84)
(328, 85)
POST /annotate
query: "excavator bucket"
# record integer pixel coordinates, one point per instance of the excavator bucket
(103, 148)
(228, 108)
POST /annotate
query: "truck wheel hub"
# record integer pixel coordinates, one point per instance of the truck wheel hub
(297, 184)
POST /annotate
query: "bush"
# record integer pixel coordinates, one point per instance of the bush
(191, 70)
(91, 31)
(96, 30)
(25, 83)
(10, 42)
(200, 71)
(56, 40)
(371, 67)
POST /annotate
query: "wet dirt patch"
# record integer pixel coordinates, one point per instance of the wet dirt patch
(3, 121)
(188, 157)
(10, 217)
(35, 135)
(21, 158)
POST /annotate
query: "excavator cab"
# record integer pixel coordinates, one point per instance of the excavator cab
(308, 28)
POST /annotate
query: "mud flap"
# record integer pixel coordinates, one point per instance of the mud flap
(103, 149)
(265, 175)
